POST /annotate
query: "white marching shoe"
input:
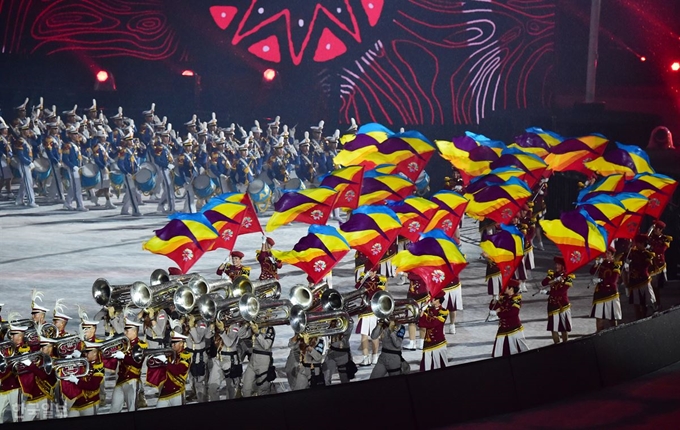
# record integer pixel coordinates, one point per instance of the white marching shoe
(420, 343)
(523, 287)
(366, 361)
(411, 345)
(451, 328)
(374, 361)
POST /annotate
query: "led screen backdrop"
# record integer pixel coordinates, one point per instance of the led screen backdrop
(404, 62)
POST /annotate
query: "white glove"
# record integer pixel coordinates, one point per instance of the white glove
(559, 279)
(544, 291)
(626, 266)
(72, 378)
(597, 280)
(76, 354)
(171, 166)
(599, 260)
(264, 239)
(493, 313)
(60, 165)
(119, 355)
(26, 362)
(76, 168)
(162, 358)
(31, 166)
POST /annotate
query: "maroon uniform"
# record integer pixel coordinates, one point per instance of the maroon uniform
(8, 380)
(36, 383)
(658, 244)
(510, 336)
(269, 265)
(367, 319)
(639, 277)
(606, 304)
(234, 271)
(559, 308)
(417, 289)
(128, 368)
(89, 386)
(176, 376)
(433, 320)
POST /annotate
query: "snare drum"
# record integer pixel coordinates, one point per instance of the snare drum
(178, 178)
(145, 179)
(203, 186)
(423, 183)
(42, 169)
(117, 178)
(259, 191)
(294, 184)
(90, 176)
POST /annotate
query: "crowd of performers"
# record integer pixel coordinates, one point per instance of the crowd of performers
(184, 353)
(68, 156)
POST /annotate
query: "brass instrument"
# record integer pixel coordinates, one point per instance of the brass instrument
(15, 362)
(160, 276)
(67, 345)
(406, 311)
(240, 286)
(202, 286)
(267, 289)
(268, 312)
(152, 355)
(382, 304)
(66, 367)
(113, 345)
(314, 324)
(307, 297)
(353, 302)
(184, 299)
(106, 294)
(48, 330)
(228, 310)
(7, 348)
(5, 325)
(157, 296)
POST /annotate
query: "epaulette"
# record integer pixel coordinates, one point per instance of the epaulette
(668, 238)
(185, 355)
(142, 344)
(551, 273)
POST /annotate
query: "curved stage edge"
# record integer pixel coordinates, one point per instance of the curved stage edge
(437, 398)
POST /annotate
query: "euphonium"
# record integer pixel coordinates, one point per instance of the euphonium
(240, 286)
(160, 276)
(48, 330)
(406, 311)
(157, 296)
(202, 286)
(382, 304)
(313, 324)
(152, 355)
(66, 367)
(106, 294)
(270, 312)
(66, 345)
(15, 362)
(116, 343)
(267, 289)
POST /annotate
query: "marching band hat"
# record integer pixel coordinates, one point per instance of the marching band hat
(13, 320)
(514, 283)
(279, 143)
(243, 147)
(71, 112)
(22, 106)
(93, 108)
(558, 259)
(659, 224)
(274, 123)
(305, 141)
(131, 323)
(157, 122)
(91, 345)
(256, 128)
(238, 254)
(58, 313)
(85, 321)
(641, 238)
(151, 111)
(174, 271)
(192, 121)
(213, 119)
(35, 307)
(285, 132)
(130, 135)
(189, 140)
(203, 129)
(72, 129)
(177, 337)
(611, 249)
(353, 125)
(100, 133)
(25, 125)
(3, 124)
(317, 128)
(270, 241)
(51, 125)
(335, 137)
(118, 115)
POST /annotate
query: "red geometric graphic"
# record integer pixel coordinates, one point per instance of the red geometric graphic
(329, 47)
(223, 15)
(267, 49)
(373, 9)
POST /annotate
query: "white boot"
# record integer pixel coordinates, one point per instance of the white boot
(374, 361)
(366, 361)
(523, 287)
(410, 346)
(109, 205)
(421, 342)
(451, 329)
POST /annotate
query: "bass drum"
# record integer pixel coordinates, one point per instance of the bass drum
(260, 194)
(203, 186)
(42, 169)
(90, 176)
(294, 184)
(145, 179)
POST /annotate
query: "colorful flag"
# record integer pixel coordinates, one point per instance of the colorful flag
(317, 253)
(496, 176)
(435, 258)
(250, 222)
(415, 214)
(572, 153)
(371, 230)
(499, 202)
(537, 141)
(635, 205)
(609, 185)
(347, 182)
(378, 188)
(533, 165)
(451, 209)
(656, 187)
(184, 239)
(577, 236)
(629, 160)
(313, 206)
(226, 217)
(506, 249)
(606, 211)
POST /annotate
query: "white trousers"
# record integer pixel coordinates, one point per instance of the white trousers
(125, 393)
(172, 401)
(86, 412)
(25, 186)
(39, 410)
(9, 400)
(75, 192)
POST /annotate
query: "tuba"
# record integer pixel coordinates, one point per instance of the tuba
(66, 367)
(307, 297)
(228, 310)
(268, 312)
(116, 343)
(184, 299)
(201, 286)
(66, 345)
(314, 324)
(157, 296)
(240, 286)
(382, 304)
(160, 276)
(106, 294)
(353, 302)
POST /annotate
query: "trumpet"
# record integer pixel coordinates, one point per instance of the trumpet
(15, 362)
(66, 367)
(160, 276)
(314, 324)
(106, 294)
(382, 304)
(113, 345)
(156, 296)
(269, 312)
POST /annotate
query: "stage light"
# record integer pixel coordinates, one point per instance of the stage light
(675, 66)
(643, 59)
(102, 76)
(269, 75)
(188, 73)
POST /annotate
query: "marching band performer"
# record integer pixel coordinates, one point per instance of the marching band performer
(52, 147)
(10, 388)
(88, 330)
(606, 304)
(242, 174)
(186, 169)
(453, 301)
(527, 226)
(24, 155)
(257, 377)
(367, 320)
(220, 167)
(559, 308)
(172, 389)
(307, 165)
(129, 371)
(658, 244)
(72, 159)
(37, 311)
(279, 162)
(235, 268)
(164, 161)
(101, 158)
(128, 165)
(269, 265)
(309, 374)
(60, 319)
(639, 286)
(90, 386)
(155, 326)
(37, 385)
(510, 336)
(418, 292)
(227, 364)
(339, 356)
(389, 361)
(199, 336)
(5, 157)
(434, 348)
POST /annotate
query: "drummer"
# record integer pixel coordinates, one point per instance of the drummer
(241, 174)
(101, 158)
(72, 159)
(52, 146)
(307, 166)
(220, 166)
(279, 162)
